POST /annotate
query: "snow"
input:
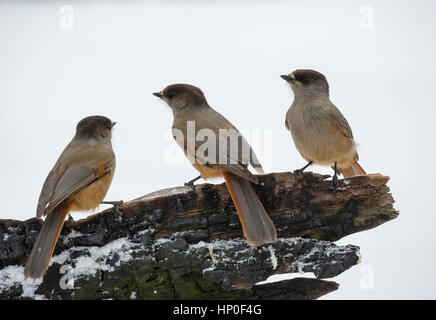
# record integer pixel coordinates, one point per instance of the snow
(287, 276)
(73, 234)
(217, 251)
(89, 265)
(84, 265)
(11, 276)
(211, 268)
(165, 192)
(218, 244)
(273, 257)
(359, 255)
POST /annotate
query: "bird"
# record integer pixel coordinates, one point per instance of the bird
(320, 132)
(191, 111)
(79, 180)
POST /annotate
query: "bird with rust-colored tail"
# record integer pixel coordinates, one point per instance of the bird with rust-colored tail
(320, 132)
(79, 180)
(220, 159)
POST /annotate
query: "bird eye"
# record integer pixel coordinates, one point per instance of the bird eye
(108, 124)
(171, 93)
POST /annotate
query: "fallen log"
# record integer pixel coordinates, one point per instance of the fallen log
(187, 243)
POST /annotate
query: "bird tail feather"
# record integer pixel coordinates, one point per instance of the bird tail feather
(43, 248)
(354, 170)
(256, 224)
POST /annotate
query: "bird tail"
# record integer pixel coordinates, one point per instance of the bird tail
(354, 170)
(256, 224)
(39, 258)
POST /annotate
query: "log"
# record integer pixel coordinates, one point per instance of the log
(187, 243)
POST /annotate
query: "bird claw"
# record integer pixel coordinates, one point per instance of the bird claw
(190, 183)
(116, 205)
(298, 172)
(335, 184)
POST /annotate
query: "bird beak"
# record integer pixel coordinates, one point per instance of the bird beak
(287, 78)
(113, 124)
(158, 94)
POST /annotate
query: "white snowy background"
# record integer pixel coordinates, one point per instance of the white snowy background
(109, 56)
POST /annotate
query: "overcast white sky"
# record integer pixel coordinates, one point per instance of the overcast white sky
(381, 73)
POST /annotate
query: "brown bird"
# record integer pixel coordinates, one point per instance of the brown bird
(320, 132)
(188, 103)
(78, 181)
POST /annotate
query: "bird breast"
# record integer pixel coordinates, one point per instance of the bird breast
(91, 196)
(317, 138)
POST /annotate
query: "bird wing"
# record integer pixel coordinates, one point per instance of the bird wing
(47, 191)
(235, 161)
(57, 187)
(243, 155)
(224, 157)
(343, 123)
(339, 120)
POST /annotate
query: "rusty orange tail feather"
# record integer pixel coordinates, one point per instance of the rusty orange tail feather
(257, 226)
(42, 250)
(354, 170)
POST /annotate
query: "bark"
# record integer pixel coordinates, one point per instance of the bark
(186, 243)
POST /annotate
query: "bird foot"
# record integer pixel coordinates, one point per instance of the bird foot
(116, 205)
(335, 184)
(190, 183)
(298, 172)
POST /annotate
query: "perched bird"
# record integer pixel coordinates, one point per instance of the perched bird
(78, 181)
(320, 132)
(190, 107)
